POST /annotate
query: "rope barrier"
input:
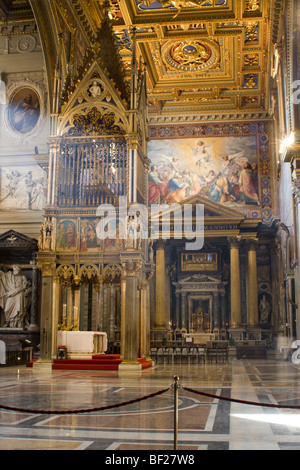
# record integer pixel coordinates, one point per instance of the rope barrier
(152, 395)
(243, 402)
(88, 410)
(175, 386)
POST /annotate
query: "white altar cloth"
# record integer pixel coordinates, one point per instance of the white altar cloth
(83, 342)
(200, 338)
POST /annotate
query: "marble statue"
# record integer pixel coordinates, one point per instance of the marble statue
(2, 352)
(14, 298)
(264, 308)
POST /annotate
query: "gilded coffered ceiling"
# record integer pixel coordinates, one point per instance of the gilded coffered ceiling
(205, 56)
(202, 57)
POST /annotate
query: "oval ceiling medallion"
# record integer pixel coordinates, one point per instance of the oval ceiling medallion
(191, 56)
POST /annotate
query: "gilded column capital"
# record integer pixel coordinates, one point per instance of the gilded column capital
(47, 268)
(160, 245)
(131, 268)
(234, 242)
(132, 142)
(54, 145)
(142, 285)
(252, 244)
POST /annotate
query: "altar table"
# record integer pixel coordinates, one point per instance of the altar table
(200, 338)
(83, 342)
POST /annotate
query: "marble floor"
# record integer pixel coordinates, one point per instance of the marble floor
(204, 423)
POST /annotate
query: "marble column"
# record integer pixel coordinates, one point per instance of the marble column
(105, 292)
(148, 323)
(160, 286)
(129, 338)
(70, 305)
(138, 321)
(183, 310)
(235, 283)
(112, 322)
(123, 308)
(223, 308)
(46, 329)
(55, 312)
(177, 319)
(33, 325)
(76, 307)
(143, 320)
(252, 298)
(216, 308)
(81, 308)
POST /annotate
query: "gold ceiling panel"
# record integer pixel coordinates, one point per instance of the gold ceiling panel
(200, 54)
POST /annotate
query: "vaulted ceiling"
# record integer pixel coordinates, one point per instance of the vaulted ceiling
(203, 57)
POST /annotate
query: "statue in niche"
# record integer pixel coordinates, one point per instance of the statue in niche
(95, 89)
(45, 238)
(15, 298)
(264, 309)
(134, 231)
(151, 252)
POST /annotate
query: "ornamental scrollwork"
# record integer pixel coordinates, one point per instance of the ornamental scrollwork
(95, 123)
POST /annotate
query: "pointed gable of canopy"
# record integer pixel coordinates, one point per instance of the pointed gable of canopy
(103, 51)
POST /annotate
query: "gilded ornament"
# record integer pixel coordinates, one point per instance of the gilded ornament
(95, 123)
(252, 5)
(179, 4)
(192, 56)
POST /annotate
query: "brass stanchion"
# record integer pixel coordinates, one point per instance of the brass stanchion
(176, 387)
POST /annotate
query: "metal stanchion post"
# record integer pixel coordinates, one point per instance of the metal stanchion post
(176, 387)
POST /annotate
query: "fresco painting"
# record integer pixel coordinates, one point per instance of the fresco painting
(66, 236)
(88, 235)
(24, 110)
(223, 169)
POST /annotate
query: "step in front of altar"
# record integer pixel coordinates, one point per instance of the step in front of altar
(104, 362)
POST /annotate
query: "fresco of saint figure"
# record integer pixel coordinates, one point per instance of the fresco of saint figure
(24, 110)
(66, 236)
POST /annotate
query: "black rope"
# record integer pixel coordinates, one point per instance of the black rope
(88, 410)
(243, 402)
(146, 397)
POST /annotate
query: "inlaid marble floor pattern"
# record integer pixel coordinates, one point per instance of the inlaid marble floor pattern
(204, 423)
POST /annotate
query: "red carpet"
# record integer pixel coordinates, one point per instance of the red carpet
(105, 362)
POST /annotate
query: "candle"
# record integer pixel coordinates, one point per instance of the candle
(64, 311)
